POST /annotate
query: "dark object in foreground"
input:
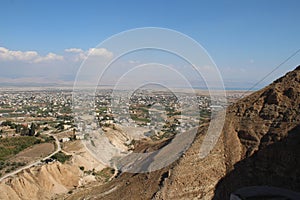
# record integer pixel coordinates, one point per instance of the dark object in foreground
(264, 192)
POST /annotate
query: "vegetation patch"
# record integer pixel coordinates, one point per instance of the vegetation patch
(10, 166)
(105, 174)
(61, 157)
(12, 146)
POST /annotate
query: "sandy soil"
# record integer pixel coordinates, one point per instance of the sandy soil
(34, 153)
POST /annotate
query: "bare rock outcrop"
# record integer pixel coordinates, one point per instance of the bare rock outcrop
(267, 124)
(40, 182)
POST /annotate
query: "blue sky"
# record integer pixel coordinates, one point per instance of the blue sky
(246, 39)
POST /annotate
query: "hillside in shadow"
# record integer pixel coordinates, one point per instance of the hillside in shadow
(277, 165)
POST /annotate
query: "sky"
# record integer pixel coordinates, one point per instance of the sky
(47, 41)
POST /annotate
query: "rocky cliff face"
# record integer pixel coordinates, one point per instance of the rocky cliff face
(259, 146)
(266, 116)
(267, 124)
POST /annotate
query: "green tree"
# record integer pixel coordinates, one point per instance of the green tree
(32, 130)
(18, 128)
(24, 130)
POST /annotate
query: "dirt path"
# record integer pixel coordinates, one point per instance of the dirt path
(36, 162)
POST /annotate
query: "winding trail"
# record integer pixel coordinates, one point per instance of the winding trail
(58, 148)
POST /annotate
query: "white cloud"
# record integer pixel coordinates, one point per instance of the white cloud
(16, 64)
(80, 55)
(75, 54)
(99, 52)
(48, 57)
(6, 54)
(74, 50)
(27, 56)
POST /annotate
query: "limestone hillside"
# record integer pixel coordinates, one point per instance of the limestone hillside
(259, 145)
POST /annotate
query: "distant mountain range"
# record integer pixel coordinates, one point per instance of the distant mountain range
(50, 82)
